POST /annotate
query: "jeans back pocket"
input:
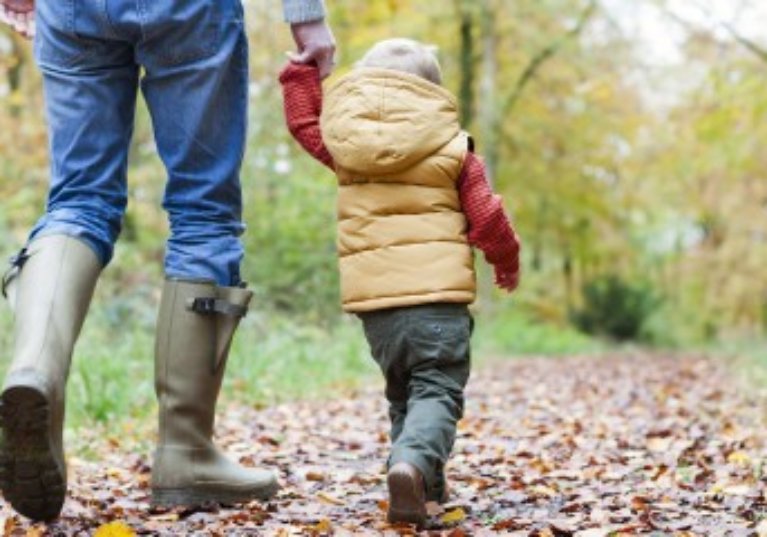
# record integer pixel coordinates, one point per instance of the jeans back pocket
(56, 42)
(176, 32)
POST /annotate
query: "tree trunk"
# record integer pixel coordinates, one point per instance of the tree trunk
(489, 124)
(15, 71)
(466, 60)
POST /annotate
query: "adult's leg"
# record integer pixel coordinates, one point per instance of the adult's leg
(196, 85)
(195, 55)
(196, 323)
(90, 87)
(53, 291)
(90, 81)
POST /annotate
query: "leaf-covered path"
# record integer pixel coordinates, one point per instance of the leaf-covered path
(580, 446)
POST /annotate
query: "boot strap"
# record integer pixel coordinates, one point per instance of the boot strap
(216, 306)
(17, 261)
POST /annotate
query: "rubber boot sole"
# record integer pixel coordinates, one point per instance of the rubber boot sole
(406, 498)
(30, 478)
(194, 497)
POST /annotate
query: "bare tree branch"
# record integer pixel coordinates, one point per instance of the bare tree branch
(749, 44)
(544, 55)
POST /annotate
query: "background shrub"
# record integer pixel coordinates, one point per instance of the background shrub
(615, 308)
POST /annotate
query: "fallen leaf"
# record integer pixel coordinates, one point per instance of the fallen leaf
(114, 472)
(434, 509)
(594, 532)
(542, 490)
(8, 524)
(322, 527)
(327, 498)
(738, 490)
(166, 517)
(454, 517)
(740, 458)
(114, 529)
(659, 445)
(639, 504)
(315, 476)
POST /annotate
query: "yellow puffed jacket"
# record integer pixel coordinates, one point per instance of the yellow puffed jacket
(398, 151)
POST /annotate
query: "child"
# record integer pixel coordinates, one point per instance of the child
(412, 200)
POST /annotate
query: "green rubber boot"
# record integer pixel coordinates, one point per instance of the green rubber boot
(195, 328)
(50, 290)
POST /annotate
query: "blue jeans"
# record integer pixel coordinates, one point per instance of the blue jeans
(190, 58)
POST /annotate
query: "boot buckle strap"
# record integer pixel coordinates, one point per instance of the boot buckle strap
(216, 306)
(17, 262)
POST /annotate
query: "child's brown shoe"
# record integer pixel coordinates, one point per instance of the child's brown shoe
(439, 494)
(445, 496)
(407, 496)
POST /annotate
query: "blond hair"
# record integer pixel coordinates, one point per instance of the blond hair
(406, 55)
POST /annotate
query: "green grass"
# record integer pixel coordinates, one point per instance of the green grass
(512, 333)
(746, 357)
(751, 349)
(274, 358)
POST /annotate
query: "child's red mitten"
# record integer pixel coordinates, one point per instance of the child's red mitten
(507, 279)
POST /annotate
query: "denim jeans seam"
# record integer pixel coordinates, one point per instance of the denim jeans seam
(66, 63)
(71, 16)
(242, 49)
(142, 19)
(105, 21)
(59, 61)
(204, 52)
(240, 12)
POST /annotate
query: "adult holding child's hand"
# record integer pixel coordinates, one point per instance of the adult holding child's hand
(315, 45)
(20, 15)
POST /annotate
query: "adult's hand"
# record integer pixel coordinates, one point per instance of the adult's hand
(316, 44)
(20, 15)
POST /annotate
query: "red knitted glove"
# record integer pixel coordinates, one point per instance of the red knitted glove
(302, 94)
(506, 280)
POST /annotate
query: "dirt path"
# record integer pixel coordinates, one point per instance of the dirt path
(587, 447)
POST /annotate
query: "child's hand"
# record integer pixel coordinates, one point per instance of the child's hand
(506, 279)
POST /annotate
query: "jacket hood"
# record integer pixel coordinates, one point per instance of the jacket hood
(384, 121)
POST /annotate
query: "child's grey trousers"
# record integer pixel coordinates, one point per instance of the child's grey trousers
(424, 354)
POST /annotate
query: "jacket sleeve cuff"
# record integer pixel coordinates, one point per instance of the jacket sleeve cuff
(299, 73)
(297, 11)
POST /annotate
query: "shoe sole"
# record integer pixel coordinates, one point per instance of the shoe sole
(30, 477)
(406, 501)
(193, 497)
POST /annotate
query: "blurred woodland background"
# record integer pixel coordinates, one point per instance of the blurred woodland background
(627, 138)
